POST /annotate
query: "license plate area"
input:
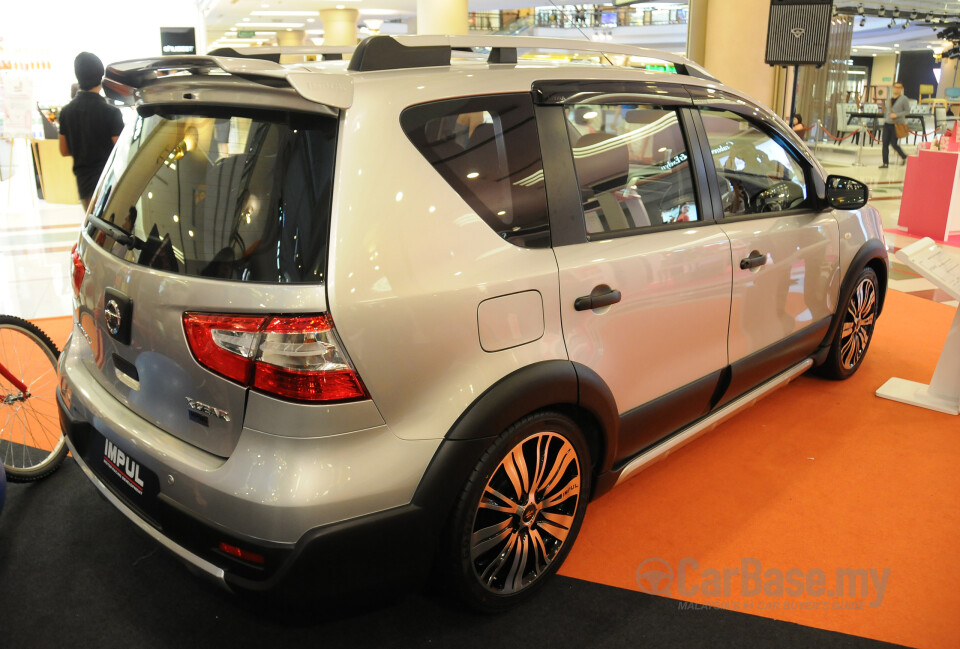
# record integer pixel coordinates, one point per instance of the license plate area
(126, 476)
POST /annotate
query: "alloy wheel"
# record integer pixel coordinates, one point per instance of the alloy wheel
(858, 323)
(525, 513)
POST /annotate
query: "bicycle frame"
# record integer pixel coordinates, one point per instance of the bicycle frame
(10, 377)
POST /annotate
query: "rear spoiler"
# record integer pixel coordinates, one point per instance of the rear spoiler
(122, 80)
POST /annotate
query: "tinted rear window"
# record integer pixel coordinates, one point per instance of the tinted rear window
(242, 197)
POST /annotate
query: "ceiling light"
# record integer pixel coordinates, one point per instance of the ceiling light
(896, 12)
(284, 13)
(893, 23)
(863, 22)
(860, 9)
(277, 25)
(882, 12)
(905, 25)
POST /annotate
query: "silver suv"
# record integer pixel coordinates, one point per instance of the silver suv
(337, 322)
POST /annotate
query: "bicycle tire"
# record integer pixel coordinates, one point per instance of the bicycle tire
(32, 445)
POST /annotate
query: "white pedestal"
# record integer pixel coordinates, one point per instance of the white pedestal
(943, 393)
(918, 394)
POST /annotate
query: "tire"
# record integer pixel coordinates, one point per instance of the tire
(853, 336)
(520, 512)
(32, 445)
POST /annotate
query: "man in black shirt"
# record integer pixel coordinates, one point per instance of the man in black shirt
(89, 127)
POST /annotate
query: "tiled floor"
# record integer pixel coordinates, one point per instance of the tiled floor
(35, 242)
(36, 237)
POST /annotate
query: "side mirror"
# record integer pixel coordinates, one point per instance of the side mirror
(846, 193)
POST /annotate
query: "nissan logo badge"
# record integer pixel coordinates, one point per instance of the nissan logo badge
(111, 314)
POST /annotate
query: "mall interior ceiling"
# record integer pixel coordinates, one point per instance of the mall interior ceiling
(879, 24)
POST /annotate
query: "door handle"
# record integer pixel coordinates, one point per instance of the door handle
(755, 260)
(588, 302)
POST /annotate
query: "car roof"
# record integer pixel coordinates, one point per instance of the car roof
(329, 81)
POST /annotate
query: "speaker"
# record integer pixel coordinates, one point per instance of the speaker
(798, 32)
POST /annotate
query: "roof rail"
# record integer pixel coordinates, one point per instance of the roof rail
(382, 52)
(326, 52)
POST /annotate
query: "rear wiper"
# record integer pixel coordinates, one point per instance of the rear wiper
(117, 233)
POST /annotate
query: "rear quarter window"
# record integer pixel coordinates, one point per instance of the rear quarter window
(488, 150)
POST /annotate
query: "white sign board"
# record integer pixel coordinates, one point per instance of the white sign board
(943, 391)
(928, 259)
(16, 98)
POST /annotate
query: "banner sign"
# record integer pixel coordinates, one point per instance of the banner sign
(17, 104)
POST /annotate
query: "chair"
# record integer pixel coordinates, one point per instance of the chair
(919, 109)
(843, 114)
(940, 117)
(953, 98)
(926, 89)
(874, 125)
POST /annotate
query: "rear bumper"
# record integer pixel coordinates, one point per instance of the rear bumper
(383, 549)
(191, 502)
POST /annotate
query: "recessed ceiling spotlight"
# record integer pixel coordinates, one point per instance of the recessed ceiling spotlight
(896, 12)
(882, 12)
(860, 9)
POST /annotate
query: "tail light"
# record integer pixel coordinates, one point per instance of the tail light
(240, 553)
(297, 358)
(79, 270)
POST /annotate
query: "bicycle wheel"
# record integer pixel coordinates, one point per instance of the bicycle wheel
(31, 442)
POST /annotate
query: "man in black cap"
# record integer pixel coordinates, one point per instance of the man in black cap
(89, 127)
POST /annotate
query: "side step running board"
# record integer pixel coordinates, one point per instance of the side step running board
(706, 424)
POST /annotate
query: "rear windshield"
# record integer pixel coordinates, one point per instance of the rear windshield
(236, 196)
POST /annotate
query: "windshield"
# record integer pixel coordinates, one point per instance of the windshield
(243, 197)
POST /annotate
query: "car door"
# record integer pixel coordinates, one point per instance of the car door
(785, 250)
(644, 274)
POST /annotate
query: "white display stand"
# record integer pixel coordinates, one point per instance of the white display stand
(943, 392)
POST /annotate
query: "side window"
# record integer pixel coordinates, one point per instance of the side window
(756, 173)
(487, 149)
(632, 166)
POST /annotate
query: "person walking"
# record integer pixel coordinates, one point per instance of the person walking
(89, 127)
(895, 112)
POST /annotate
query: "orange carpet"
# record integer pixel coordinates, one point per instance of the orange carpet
(817, 477)
(43, 408)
